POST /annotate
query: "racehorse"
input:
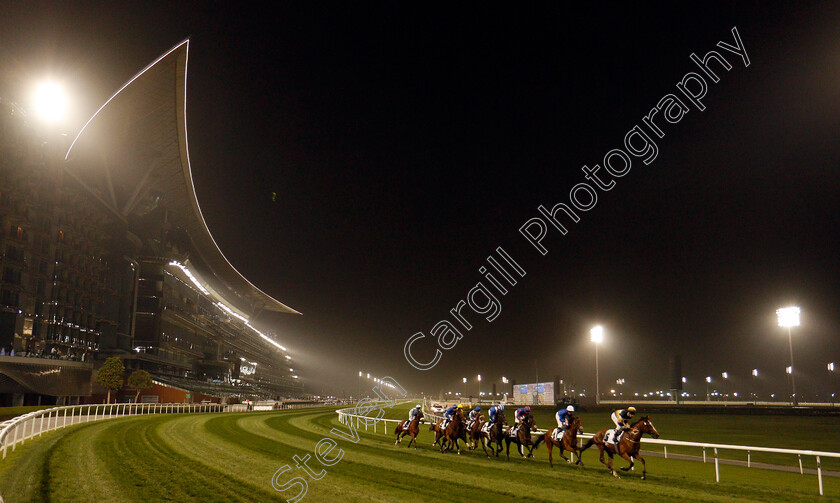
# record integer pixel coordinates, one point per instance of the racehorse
(456, 429)
(522, 438)
(627, 448)
(412, 429)
(567, 443)
(474, 432)
(494, 435)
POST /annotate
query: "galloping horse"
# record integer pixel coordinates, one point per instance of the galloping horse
(629, 446)
(567, 443)
(454, 431)
(474, 432)
(494, 435)
(412, 429)
(522, 437)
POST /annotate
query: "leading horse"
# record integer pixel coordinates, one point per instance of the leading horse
(568, 442)
(629, 446)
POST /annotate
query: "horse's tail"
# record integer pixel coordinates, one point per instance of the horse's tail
(432, 427)
(588, 444)
(397, 428)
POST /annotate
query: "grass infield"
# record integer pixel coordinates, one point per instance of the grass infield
(232, 457)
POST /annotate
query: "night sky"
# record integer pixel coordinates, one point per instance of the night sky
(405, 144)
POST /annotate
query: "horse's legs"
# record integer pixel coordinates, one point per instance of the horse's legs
(644, 468)
(507, 441)
(548, 446)
(610, 465)
(628, 458)
(560, 449)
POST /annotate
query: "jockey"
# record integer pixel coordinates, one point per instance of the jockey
(621, 418)
(494, 412)
(473, 416)
(563, 417)
(521, 413)
(416, 411)
(450, 412)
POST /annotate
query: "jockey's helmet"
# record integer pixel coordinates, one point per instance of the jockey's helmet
(418, 407)
(570, 408)
(631, 410)
(527, 409)
(460, 406)
(478, 408)
(501, 407)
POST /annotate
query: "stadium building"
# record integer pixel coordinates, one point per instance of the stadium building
(104, 252)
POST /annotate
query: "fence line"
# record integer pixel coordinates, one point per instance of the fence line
(21, 428)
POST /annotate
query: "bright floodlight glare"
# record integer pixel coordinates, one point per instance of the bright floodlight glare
(830, 367)
(479, 377)
(465, 379)
(755, 372)
(368, 376)
(789, 370)
(49, 101)
(788, 316)
(708, 378)
(597, 334)
(684, 380)
(360, 373)
(725, 375)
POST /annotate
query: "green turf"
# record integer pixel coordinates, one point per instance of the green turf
(232, 457)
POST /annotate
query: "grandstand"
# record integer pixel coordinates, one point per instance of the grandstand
(105, 252)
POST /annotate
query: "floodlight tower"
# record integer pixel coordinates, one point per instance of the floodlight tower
(465, 386)
(789, 317)
(596, 335)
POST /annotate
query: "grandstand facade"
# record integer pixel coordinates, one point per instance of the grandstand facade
(104, 252)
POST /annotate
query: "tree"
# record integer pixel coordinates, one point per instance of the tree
(110, 375)
(139, 380)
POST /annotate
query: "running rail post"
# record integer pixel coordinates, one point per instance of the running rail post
(717, 467)
(819, 475)
(748, 459)
(801, 472)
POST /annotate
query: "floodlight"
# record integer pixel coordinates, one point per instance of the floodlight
(755, 372)
(465, 380)
(597, 334)
(708, 378)
(789, 370)
(788, 316)
(725, 375)
(49, 101)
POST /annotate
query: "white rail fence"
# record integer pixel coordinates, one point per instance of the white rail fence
(344, 416)
(21, 428)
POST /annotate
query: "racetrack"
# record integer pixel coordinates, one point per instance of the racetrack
(233, 456)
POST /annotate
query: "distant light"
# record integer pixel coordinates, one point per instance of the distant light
(708, 378)
(465, 380)
(368, 376)
(294, 377)
(479, 377)
(788, 316)
(360, 373)
(736, 394)
(830, 367)
(291, 370)
(684, 380)
(755, 372)
(725, 375)
(596, 335)
(505, 379)
(49, 101)
(288, 357)
(789, 369)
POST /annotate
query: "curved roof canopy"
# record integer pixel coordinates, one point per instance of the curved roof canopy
(132, 155)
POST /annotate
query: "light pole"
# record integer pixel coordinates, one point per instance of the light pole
(360, 384)
(830, 368)
(789, 371)
(465, 386)
(596, 335)
(725, 376)
(789, 317)
(755, 393)
(479, 387)
(708, 381)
